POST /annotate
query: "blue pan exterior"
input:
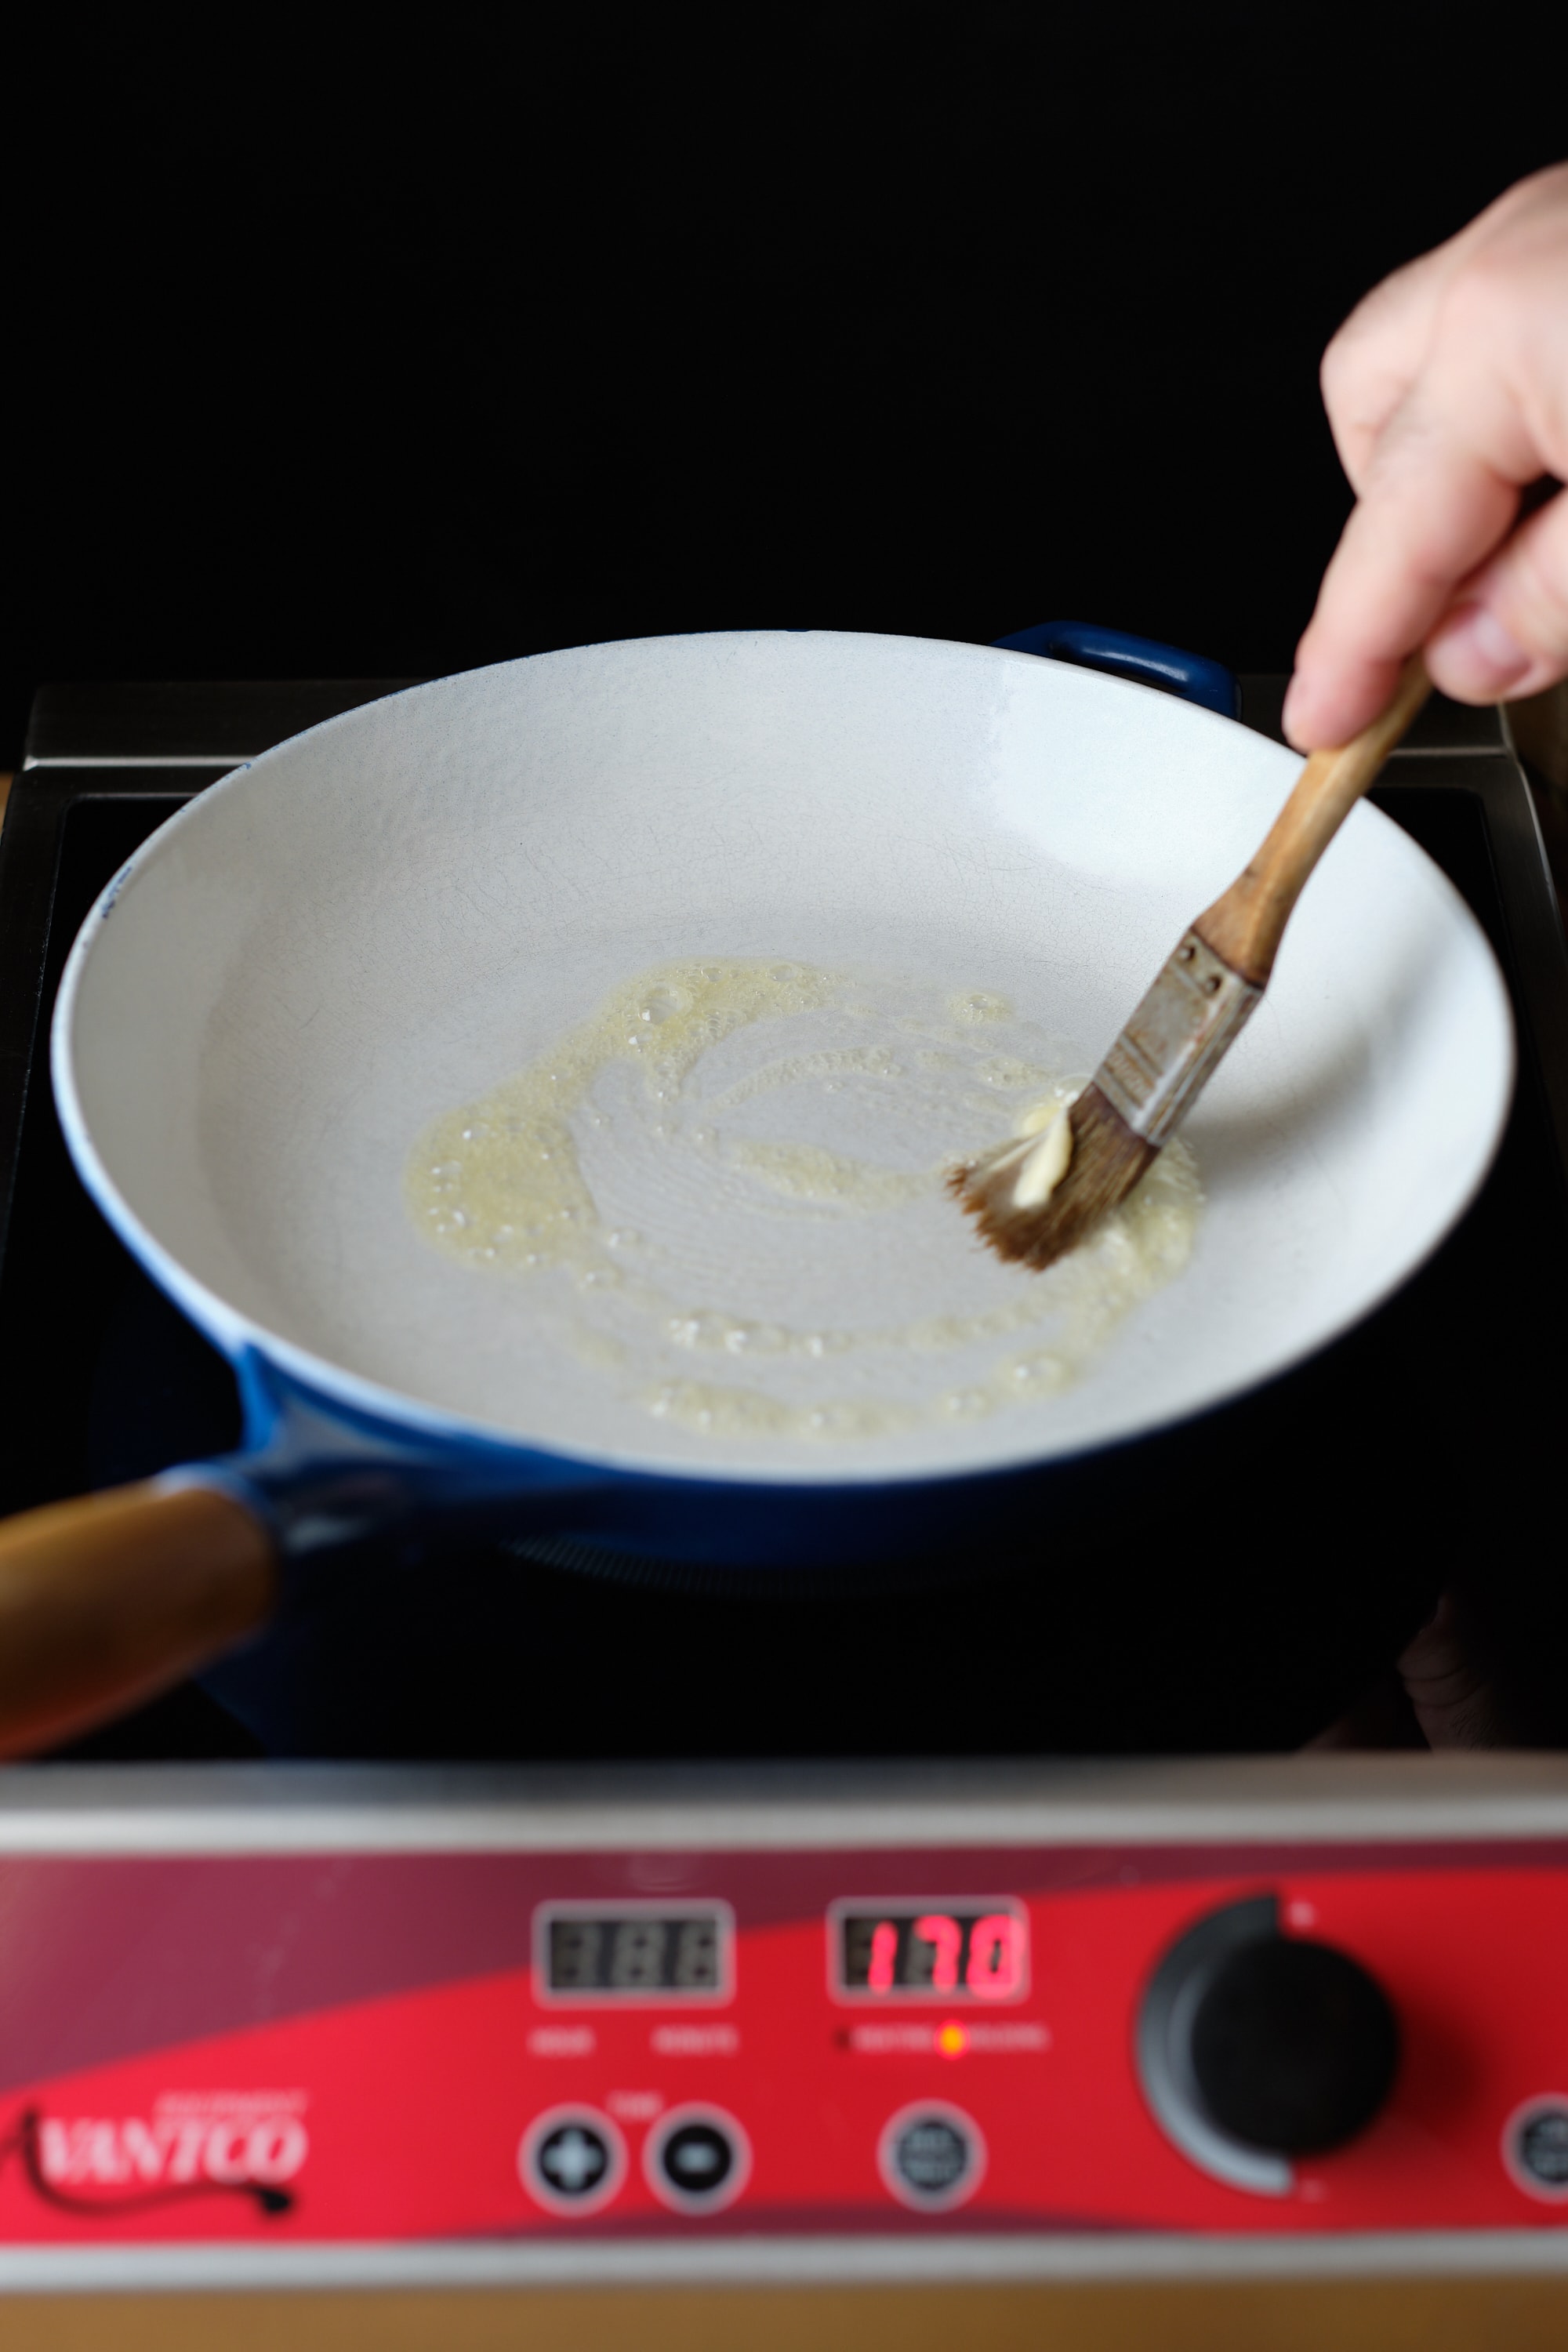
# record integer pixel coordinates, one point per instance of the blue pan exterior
(328, 1475)
(1146, 662)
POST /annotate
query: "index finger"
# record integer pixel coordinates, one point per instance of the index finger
(1376, 355)
(1435, 508)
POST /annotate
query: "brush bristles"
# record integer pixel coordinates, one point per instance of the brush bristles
(1107, 1160)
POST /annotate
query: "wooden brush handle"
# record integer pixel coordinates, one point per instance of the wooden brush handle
(1243, 928)
(109, 1599)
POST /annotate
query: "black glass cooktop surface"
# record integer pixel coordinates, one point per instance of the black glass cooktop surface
(1229, 1586)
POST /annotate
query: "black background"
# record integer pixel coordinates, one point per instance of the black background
(494, 334)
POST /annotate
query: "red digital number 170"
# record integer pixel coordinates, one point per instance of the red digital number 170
(995, 1954)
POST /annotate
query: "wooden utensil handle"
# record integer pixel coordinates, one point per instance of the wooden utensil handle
(1244, 926)
(109, 1599)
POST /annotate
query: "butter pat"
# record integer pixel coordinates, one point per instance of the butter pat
(1046, 1166)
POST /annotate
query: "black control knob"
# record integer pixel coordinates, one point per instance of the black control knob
(1294, 2046)
(1255, 2047)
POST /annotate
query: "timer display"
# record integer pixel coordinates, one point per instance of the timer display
(656, 1952)
(929, 1950)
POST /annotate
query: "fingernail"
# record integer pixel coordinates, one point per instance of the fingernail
(1476, 642)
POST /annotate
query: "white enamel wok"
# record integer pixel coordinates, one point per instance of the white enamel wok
(384, 918)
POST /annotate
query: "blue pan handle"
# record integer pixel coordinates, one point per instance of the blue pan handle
(1143, 659)
(321, 1473)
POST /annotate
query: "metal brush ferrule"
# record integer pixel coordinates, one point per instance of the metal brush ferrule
(1174, 1043)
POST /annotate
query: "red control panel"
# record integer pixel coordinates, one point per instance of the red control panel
(426, 2046)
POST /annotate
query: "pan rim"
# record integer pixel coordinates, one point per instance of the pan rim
(238, 1334)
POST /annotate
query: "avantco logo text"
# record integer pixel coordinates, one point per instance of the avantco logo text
(232, 2139)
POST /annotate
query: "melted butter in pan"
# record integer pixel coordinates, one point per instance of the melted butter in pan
(657, 1185)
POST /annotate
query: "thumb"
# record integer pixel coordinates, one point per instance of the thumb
(1507, 632)
(1452, 1701)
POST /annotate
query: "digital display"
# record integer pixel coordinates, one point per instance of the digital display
(660, 1954)
(929, 1951)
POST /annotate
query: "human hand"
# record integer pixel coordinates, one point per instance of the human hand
(1447, 392)
(1437, 1693)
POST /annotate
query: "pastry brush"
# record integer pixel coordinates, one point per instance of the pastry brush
(1039, 1194)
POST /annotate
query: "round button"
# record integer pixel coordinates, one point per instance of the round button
(1294, 2046)
(932, 2156)
(697, 2159)
(573, 2159)
(1535, 2148)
